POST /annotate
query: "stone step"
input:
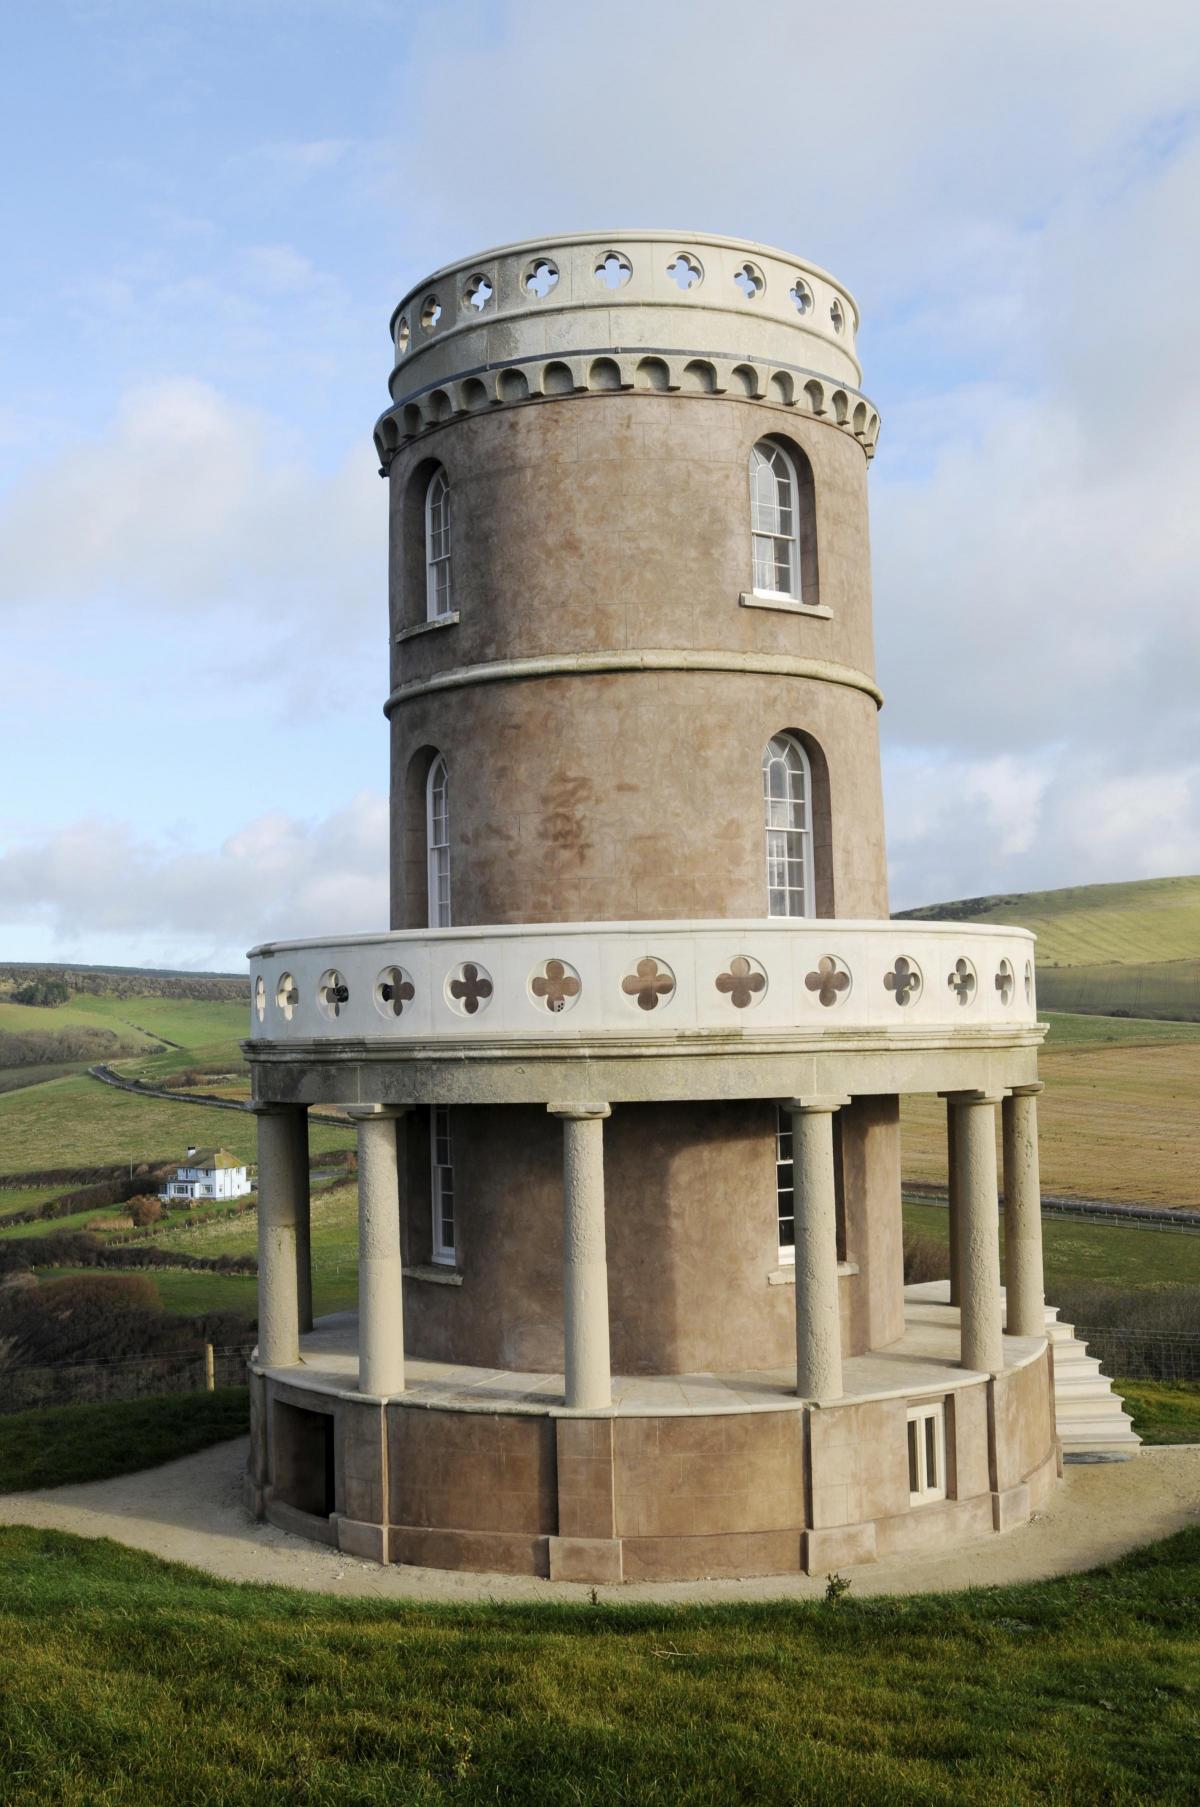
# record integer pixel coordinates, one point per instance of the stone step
(1076, 1404)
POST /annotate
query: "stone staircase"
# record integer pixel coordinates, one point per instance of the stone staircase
(1091, 1422)
(1090, 1418)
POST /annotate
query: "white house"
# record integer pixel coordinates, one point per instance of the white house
(208, 1173)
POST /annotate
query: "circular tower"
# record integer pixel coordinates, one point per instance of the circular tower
(627, 1065)
(629, 556)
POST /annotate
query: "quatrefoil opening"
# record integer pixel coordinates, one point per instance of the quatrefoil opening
(260, 997)
(556, 986)
(962, 982)
(904, 981)
(745, 984)
(393, 990)
(286, 996)
(332, 992)
(830, 981)
(650, 983)
(1006, 983)
(469, 988)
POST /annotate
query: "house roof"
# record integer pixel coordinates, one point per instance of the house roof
(210, 1158)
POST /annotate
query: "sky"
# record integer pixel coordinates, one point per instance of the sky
(211, 208)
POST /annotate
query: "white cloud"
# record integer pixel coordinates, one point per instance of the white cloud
(278, 876)
(187, 500)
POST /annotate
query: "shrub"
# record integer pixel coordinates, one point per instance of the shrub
(145, 1210)
(924, 1259)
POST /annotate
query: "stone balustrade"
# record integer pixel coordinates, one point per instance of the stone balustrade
(633, 982)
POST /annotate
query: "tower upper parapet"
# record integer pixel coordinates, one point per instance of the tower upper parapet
(624, 310)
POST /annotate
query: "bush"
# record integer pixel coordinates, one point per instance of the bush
(45, 992)
(101, 1317)
(924, 1259)
(145, 1210)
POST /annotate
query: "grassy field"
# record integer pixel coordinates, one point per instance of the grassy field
(61, 1445)
(188, 1022)
(79, 1122)
(1163, 1411)
(1077, 1253)
(1118, 1119)
(132, 1682)
(1167, 988)
(1088, 925)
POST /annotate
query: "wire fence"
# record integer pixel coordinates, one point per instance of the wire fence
(1143, 1354)
(125, 1377)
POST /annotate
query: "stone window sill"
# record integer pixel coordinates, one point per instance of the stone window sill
(435, 1274)
(783, 605)
(785, 1273)
(426, 627)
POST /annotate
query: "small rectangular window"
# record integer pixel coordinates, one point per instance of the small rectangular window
(926, 1453)
(785, 1193)
(442, 1187)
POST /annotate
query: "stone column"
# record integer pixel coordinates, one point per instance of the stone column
(303, 1220)
(818, 1311)
(588, 1369)
(278, 1277)
(952, 1206)
(380, 1280)
(1024, 1285)
(979, 1230)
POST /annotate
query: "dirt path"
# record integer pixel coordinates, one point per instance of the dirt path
(191, 1511)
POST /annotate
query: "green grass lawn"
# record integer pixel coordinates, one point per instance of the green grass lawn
(1163, 1411)
(132, 1682)
(22, 1198)
(1144, 921)
(1102, 1254)
(1167, 988)
(60, 1445)
(189, 1022)
(79, 1122)
(1070, 1030)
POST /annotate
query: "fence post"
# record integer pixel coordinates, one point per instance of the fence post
(210, 1370)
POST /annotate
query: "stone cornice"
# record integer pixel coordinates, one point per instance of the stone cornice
(551, 376)
(775, 665)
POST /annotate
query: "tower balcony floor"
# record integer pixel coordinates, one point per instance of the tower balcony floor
(924, 1360)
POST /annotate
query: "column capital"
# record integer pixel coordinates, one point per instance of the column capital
(817, 1104)
(373, 1113)
(984, 1095)
(1025, 1091)
(580, 1113)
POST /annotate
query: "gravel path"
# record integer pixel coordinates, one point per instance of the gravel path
(191, 1511)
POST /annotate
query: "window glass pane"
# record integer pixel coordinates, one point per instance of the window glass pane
(773, 519)
(932, 1477)
(914, 1471)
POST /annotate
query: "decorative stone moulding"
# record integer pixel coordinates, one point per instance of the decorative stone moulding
(573, 981)
(681, 314)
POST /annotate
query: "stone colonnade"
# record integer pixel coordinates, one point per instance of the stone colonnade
(285, 1281)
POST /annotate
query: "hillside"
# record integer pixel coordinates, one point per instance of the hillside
(1110, 950)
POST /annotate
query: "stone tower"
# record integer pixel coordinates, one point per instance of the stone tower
(631, 1053)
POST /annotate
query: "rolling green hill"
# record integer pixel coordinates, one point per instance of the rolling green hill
(1124, 950)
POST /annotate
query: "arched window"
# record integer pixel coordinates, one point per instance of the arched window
(774, 521)
(437, 546)
(787, 801)
(437, 843)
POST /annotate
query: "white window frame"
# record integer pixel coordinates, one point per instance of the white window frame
(437, 843)
(438, 586)
(926, 1448)
(774, 524)
(785, 1185)
(443, 1248)
(788, 842)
